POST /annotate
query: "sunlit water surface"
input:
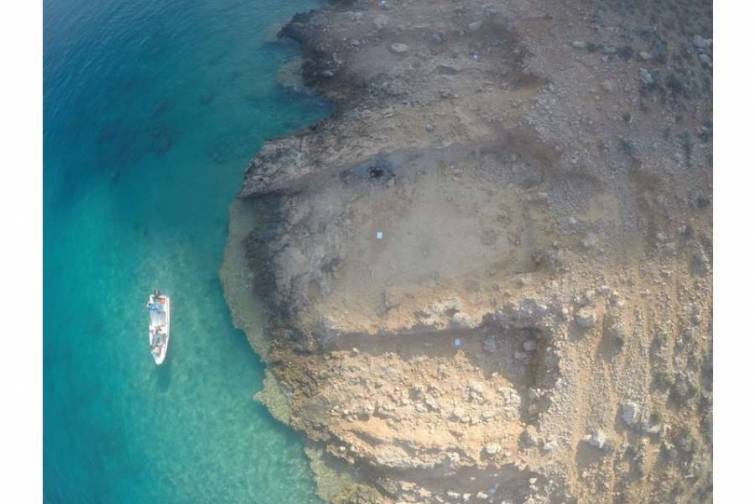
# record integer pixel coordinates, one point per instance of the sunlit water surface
(152, 111)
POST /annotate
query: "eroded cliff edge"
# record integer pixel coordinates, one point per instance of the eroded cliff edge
(487, 274)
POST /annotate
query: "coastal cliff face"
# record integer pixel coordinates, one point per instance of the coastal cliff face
(488, 274)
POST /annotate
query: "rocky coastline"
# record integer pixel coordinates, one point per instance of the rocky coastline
(487, 275)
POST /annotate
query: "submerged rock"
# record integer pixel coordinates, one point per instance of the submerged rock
(646, 77)
(399, 48)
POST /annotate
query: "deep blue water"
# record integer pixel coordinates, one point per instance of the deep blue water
(152, 110)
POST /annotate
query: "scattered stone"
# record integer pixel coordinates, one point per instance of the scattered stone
(475, 25)
(705, 60)
(579, 44)
(585, 317)
(399, 48)
(645, 56)
(607, 86)
(530, 345)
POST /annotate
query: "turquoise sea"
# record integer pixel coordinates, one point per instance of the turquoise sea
(152, 110)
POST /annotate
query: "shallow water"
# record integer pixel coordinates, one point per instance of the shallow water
(152, 111)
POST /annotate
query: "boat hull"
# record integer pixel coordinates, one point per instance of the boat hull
(159, 327)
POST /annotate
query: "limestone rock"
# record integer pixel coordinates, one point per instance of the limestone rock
(492, 448)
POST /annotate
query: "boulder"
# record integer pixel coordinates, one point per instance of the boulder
(489, 345)
(458, 413)
(477, 387)
(597, 439)
(630, 413)
(528, 437)
(646, 77)
(585, 317)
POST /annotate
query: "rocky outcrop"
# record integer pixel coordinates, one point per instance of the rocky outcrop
(482, 273)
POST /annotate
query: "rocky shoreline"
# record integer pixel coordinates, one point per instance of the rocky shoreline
(487, 273)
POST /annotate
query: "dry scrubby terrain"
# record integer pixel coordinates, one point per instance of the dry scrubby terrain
(535, 323)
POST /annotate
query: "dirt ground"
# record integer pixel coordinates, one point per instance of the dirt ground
(488, 274)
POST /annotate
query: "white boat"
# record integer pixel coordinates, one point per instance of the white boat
(159, 325)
